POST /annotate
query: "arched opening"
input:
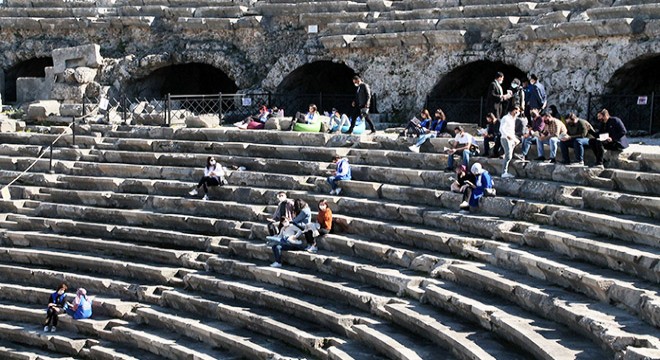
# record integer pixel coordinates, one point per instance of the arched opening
(631, 91)
(34, 67)
(324, 83)
(459, 92)
(182, 79)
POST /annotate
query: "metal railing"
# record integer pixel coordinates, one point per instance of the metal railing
(463, 110)
(638, 112)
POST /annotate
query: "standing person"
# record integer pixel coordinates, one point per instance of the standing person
(461, 147)
(284, 211)
(361, 103)
(537, 98)
(492, 134)
(321, 227)
(578, 131)
(616, 135)
(496, 95)
(518, 94)
(342, 172)
(214, 175)
(81, 308)
(287, 239)
(56, 303)
(508, 138)
(483, 186)
(554, 129)
(437, 127)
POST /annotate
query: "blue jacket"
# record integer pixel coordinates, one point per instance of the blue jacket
(484, 181)
(439, 126)
(303, 218)
(614, 126)
(84, 310)
(343, 169)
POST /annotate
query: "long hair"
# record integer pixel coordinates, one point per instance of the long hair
(208, 162)
(298, 205)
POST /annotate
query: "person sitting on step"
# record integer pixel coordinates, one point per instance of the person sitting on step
(437, 127)
(464, 183)
(286, 240)
(56, 304)
(321, 227)
(260, 117)
(81, 308)
(417, 126)
(482, 187)
(214, 175)
(342, 172)
(303, 214)
(337, 121)
(462, 146)
(284, 211)
(492, 133)
(312, 116)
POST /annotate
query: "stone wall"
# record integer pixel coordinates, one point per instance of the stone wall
(402, 49)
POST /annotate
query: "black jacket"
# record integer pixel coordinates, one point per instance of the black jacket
(363, 96)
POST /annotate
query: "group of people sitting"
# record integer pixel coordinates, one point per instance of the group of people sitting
(80, 308)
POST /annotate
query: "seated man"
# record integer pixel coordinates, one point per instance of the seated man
(554, 129)
(578, 131)
(532, 134)
(437, 127)
(462, 145)
(492, 134)
(616, 136)
(284, 211)
(287, 239)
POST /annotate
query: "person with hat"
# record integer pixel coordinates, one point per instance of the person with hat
(81, 308)
(483, 186)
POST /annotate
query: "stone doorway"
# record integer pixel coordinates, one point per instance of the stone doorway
(182, 79)
(34, 67)
(324, 83)
(639, 76)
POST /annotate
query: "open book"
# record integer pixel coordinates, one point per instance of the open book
(603, 136)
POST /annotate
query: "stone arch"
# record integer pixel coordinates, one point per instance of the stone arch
(638, 76)
(308, 82)
(181, 79)
(34, 67)
(459, 91)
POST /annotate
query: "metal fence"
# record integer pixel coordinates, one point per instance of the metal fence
(638, 112)
(459, 110)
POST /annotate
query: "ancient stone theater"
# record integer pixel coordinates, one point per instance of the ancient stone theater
(113, 110)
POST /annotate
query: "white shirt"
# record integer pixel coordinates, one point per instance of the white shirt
(508, 126)
(464, 139)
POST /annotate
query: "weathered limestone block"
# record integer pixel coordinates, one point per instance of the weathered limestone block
(67, 76)
(62, 91)
(276, 123)
(202, 121)
(42, 109)
(8, 125)
(84, 75)
(84, 55)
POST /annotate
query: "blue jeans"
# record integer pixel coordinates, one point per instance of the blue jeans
(578, 145)
(284, 245)
(553, 141)
(332, 180)
(464, 153)
(423, 138)
(527, 143)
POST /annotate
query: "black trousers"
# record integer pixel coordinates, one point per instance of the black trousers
(310, 238)
(207, 181)
(599, 148)
(364, 113)
(51, 316)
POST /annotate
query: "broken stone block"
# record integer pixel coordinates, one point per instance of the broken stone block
(42, 109)
(84, 75)
(202, 121)
(71, 109)
(73, 57)
(62, 91)
(8, 125)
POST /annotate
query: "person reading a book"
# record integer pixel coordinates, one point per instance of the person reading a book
(463, 184)
(530, 137)
(611, 135)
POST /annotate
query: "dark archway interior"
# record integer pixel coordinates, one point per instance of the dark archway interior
(183, 79)
(34, 67)
(471, 80)
(638, 77)
(324, 83)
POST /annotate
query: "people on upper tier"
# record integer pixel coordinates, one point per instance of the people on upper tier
(578, 131)
(287, 239)
(81, 308)
(462, 146)
(284, 211)
(532, 134)
(310, 117)
(417, 126)
(613, 134)
(553, 131)
(260, 117)
(496, 97)
(437, 127)
(508, 138)
(303, 214)
(56, 304)
(321, 227)
(361, 104)
(214, 175)
(483, 186)
(464, 183)
(492, 133)
(337, 121)
(537, 97)
(518, 95)
(342, 172)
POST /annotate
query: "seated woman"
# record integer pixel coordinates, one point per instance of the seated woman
(286, 240)
(81, 307)
(437, 127)
(337, 121)
(214, 175)
(312, 116)
(303, 214)
(261, 118)
(321, 227)
(56, 304)
(463, 184)
(482, 187)
(416, 126)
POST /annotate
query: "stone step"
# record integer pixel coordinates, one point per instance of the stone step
(98, 247)
(156, 275)
(645, 11)
(214, 333)
(393, 347)
(61, 343)
(13, 351)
